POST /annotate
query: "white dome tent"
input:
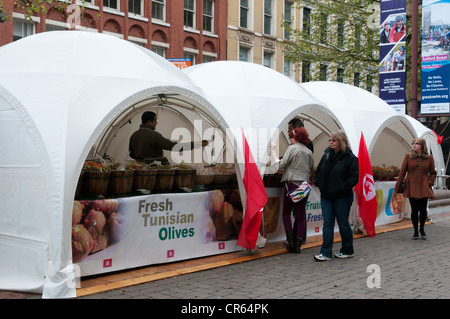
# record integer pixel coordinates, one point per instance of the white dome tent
(53, 109)
(388, 133)
(260, 100)
(80, 94)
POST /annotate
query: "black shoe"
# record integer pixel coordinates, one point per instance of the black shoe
(422, 234)
(291, 240)
(298, 244)
(416, 235)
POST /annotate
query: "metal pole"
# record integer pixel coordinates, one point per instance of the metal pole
(414, 55)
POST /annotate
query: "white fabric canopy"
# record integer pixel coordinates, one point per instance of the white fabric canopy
(388, 133)
(53, 108)
(80, 90)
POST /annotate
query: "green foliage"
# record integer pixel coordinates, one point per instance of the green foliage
(341, 33)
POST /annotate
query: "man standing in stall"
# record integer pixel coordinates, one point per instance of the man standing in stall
(147, 145)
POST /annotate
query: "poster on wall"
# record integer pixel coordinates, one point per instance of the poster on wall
(392, 53)
(435, 57)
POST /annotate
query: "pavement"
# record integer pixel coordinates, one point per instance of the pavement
(388, 266)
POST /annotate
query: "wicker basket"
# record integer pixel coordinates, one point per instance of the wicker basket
(203, 179)
(120, 182)
(95, 183)
(144, 179)
(164, 179)
(184, 178)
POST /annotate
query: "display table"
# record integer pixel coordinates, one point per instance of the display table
(136, 231)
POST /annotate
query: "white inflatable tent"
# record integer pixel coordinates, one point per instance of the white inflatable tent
(78, 96)
(388, 133)
(261, 102)
(53, 109)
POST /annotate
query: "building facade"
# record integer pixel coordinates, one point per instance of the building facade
(194, 29)
(255, 33)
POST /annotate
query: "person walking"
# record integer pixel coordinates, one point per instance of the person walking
(418, 167)
(297, 165)
(337, 174)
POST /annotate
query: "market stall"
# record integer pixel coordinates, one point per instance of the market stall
(77, 109)
(50, 128)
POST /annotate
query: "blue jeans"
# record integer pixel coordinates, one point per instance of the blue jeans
(338, 209)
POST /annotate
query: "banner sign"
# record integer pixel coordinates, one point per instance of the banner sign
(180, 63)
(435, 57)
(392, 53)
(123, 233)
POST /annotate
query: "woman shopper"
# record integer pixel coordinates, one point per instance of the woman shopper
(297, 165)
(337, 174)
(418, 166)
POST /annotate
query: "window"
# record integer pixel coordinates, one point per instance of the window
(244, 54)
(340, 35)
(340, 75)
(369, 83)
(306, 27)
(287, 18)
(189, 13)
(135, 6)
(22, 29)
(268, 56)
(111, 4)
(323, 75)
(190, 56)
(207, 58)
(158, 9)
(267, 16)
(306, 71)
(287, 68)
(356, 79)
(208, 6)
(323, 20)
(244, 9)
(357, 37)
(159, 50)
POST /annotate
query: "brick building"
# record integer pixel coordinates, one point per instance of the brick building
(195, 29)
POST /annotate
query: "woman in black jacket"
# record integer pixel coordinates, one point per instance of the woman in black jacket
(337, 174)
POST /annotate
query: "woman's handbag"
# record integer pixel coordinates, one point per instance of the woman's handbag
(299, 193)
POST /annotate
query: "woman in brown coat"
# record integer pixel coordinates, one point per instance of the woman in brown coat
(418, 166)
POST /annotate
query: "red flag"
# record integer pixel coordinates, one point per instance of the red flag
(365, 189)
(256, 199)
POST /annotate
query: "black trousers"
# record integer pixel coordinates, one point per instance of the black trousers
(418, 211)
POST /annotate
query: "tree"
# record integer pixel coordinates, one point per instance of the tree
(339, 34)
(33, 7)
